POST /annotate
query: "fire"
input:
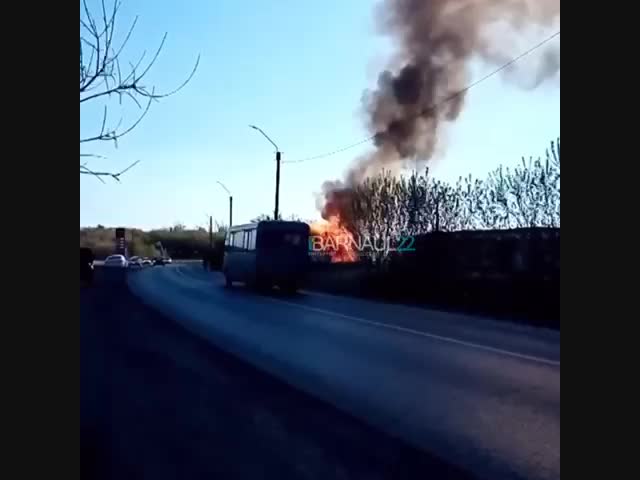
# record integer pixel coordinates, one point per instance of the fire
(331, 238)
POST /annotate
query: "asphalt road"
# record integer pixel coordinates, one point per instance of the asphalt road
(480, 394)
(160, 403)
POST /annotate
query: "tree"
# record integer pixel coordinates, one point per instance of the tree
(220, 228)
(524, 196)
(102, 78)
(266, 217)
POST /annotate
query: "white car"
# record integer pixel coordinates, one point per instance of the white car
(116, 261)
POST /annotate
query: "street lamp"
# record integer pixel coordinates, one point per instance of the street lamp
(278, 154)
(230, 203)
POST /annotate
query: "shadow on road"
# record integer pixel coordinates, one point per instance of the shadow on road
(160, 403)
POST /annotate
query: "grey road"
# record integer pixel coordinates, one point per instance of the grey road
(480, 394)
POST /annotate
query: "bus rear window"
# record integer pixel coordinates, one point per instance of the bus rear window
(279, 239)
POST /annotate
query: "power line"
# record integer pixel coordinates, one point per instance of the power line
(333, 152)
(434, 106)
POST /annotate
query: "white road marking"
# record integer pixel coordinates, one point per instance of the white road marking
(418, 332)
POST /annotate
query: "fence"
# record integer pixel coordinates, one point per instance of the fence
(502, 272)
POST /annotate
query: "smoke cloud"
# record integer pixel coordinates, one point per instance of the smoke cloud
(436, 41)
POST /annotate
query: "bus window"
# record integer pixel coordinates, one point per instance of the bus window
(238, 240)
(250, 239)
(274, 239)
(293, 239)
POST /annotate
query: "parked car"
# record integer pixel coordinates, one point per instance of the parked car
(159, 261)
(146, 262)
(135, 261)
(116, 261)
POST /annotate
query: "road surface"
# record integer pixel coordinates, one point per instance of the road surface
(158, 402)
(480, 394)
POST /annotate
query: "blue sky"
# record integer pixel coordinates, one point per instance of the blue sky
(297, 70)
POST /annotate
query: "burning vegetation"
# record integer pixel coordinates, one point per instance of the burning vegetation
(426, 85)
(331, 238)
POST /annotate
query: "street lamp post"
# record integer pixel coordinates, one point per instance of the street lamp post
(230, 203)
(278, 155)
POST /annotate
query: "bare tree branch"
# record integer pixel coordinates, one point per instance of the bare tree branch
(129, 167)
(114, 135)
(134, 84)
(84, 170)
(101, 76)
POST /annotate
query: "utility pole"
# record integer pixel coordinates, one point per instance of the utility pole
(275, 213)
(230, 202)
(278, 155)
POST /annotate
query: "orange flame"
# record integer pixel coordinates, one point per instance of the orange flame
(334, 239)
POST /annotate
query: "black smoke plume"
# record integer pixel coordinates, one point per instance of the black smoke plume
(436, 41)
